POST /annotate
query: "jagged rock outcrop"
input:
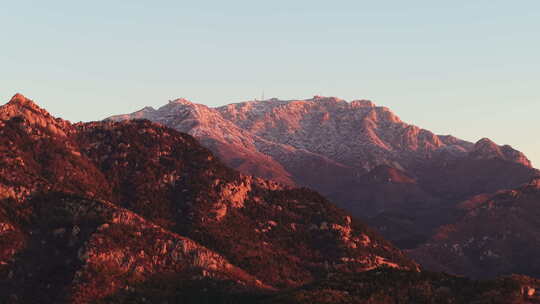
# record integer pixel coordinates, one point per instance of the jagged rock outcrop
(78, 250)
(358, 134)
(487, 149)
(20, 106)
(232, 144)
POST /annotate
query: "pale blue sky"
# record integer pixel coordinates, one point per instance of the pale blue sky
(468, 68)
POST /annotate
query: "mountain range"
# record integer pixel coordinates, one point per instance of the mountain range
(128, 210)
(405, 181)
(91, 209)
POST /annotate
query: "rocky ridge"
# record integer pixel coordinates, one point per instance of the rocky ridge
(107, 206)
(405, 181)
(341, 140)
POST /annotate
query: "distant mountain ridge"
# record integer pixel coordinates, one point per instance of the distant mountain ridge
(288, 141)
(405, 181)
(361, 134)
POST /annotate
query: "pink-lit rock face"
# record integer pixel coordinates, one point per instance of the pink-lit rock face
(328, 144)
(487, 149)
(22, 107)
(357, 134)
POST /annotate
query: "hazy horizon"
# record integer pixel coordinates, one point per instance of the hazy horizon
(460, 68)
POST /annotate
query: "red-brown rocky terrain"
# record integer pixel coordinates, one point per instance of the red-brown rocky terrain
(136, 212)
(94, 210)
(405, 181)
